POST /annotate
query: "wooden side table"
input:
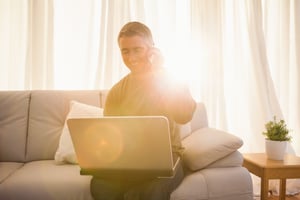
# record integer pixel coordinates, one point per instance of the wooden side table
(260, 165)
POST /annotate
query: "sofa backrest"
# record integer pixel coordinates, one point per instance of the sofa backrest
(200, 117)
(14, 108)
(31, 122)
(198, 121)
(47, 113)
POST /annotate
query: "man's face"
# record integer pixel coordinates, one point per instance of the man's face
(135, 53)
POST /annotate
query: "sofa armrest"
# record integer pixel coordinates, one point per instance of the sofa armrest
(234, 159)
(207, 145)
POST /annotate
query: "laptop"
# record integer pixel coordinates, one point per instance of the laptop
(123, 146)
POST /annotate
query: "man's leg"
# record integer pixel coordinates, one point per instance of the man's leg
(157, 189)
(102, 189)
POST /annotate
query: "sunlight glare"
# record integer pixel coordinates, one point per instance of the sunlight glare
(182, 63)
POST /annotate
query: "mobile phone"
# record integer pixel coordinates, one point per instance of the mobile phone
(151, 55)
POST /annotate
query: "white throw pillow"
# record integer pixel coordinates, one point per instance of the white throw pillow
(65, 152)
(208, 145)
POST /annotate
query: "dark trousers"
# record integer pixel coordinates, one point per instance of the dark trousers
(143, 189)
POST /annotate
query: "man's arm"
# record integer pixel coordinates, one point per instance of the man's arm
(181, 104)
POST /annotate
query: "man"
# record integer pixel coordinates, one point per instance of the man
(146, 90)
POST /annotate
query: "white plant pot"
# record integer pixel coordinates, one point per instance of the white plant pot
(275, 150)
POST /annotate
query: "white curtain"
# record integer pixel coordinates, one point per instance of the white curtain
(282, 33)
(26, 50)
(237, 85)
(241, 58)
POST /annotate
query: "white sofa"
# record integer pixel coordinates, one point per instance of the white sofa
(31, 123)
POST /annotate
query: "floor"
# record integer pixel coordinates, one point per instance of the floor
(256, 186)
(296, 197)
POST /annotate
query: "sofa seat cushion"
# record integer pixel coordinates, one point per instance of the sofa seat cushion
(232, 183)
(208, 145)
(8, 168)
(48, 181)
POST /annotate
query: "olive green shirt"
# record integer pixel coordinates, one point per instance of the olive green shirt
(152, 94)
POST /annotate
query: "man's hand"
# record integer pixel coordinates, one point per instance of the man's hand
(156, 58)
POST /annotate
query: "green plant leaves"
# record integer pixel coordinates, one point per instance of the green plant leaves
(277, 130)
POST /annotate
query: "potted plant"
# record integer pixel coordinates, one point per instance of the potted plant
(277, 136)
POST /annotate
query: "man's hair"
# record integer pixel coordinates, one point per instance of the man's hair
(136, 28)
